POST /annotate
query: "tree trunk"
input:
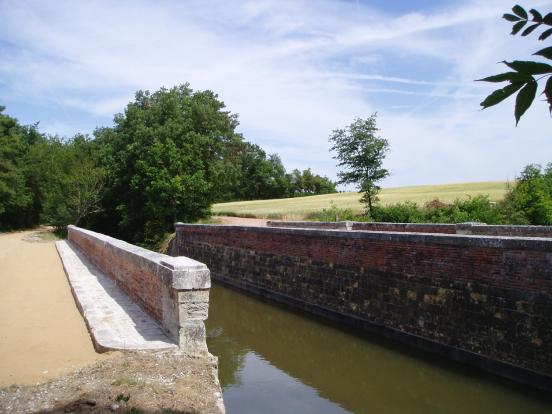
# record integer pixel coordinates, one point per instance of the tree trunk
(369, 197)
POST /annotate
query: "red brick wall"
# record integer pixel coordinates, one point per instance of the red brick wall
(490, 296)
(530, 270)
(136, 280)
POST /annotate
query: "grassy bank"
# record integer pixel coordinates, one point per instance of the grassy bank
(297, 208)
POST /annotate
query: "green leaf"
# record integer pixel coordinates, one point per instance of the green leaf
(529, 67)
(500, 94)
(548, 93)
(520, 11)
(544, 35)
(537, 17)
(507, 76)
(511, 17)
(530, 29)
(524, 99)
(546, 52)
(518, 26)
(547, 19)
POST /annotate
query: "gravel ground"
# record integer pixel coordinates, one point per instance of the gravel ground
(137, 382)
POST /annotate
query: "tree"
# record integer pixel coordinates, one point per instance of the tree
(523, 77)
(360, 153)
(160, 159)
(75, 189)
(21, 184)
(530, 200)
(306, 183)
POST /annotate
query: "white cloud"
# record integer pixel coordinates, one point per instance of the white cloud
(293, 70)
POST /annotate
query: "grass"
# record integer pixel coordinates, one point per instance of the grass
(298, 208)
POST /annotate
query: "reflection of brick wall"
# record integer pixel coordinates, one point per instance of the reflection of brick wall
(489, 298)
(133, 277)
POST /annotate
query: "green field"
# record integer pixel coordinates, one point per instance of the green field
(297, 208)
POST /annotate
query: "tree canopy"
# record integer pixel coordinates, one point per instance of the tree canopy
(160, 160)
(167, 158)
(21, 180)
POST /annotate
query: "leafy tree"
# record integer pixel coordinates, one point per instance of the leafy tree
(360, 153)
(246, 172)
(304, 183)
(530, 200)
(525, 75)
(160, 159)
(76, 187)
(21, 185)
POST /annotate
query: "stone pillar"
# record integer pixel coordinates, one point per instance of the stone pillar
(186, 302)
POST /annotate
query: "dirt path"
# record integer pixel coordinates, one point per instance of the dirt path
(42, 334)
(241, 221)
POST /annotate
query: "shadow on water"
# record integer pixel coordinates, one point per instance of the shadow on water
(272, 359)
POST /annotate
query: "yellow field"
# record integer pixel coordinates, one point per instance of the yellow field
(296, 208)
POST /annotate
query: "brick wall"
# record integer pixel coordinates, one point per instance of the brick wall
(135, 279)
(482, 300)
(174, 291)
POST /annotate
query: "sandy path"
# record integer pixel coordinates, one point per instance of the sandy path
(241, 221)
(42, 334)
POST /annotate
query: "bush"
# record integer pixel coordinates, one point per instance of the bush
(407, 212)
(477, 209)
(530, 201)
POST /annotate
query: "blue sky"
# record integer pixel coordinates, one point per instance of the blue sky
(292, 70)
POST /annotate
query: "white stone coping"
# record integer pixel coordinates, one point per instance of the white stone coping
(181, 273)
(114, 321)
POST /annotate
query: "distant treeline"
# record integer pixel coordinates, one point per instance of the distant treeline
(173, 153)
(167, 158)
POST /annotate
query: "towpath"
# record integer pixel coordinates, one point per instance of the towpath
(241, 221)
(42, 334)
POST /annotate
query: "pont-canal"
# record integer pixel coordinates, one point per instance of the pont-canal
(273, 360)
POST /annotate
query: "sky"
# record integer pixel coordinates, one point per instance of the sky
(293, 70)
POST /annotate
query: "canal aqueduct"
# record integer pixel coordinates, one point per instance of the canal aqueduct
(480, 295)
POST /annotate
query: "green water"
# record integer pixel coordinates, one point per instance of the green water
(272, 360)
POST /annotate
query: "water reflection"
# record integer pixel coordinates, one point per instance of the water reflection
(273, 360)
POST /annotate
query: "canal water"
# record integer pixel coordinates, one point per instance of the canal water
(273, 360)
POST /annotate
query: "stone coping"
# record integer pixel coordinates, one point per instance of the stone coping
(114, 321)
(175, 272)
(460, 240)
(447, 228)
(336, 225)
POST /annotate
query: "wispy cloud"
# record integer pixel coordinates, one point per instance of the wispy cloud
(293, 70)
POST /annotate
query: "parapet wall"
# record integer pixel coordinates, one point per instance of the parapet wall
(485, 301)
(172, 290)
(462, 228)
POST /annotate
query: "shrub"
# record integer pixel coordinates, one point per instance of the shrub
(407, 212)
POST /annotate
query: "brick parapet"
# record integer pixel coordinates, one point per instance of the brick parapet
(174, 291)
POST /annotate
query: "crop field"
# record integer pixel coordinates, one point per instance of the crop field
(297, 208)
